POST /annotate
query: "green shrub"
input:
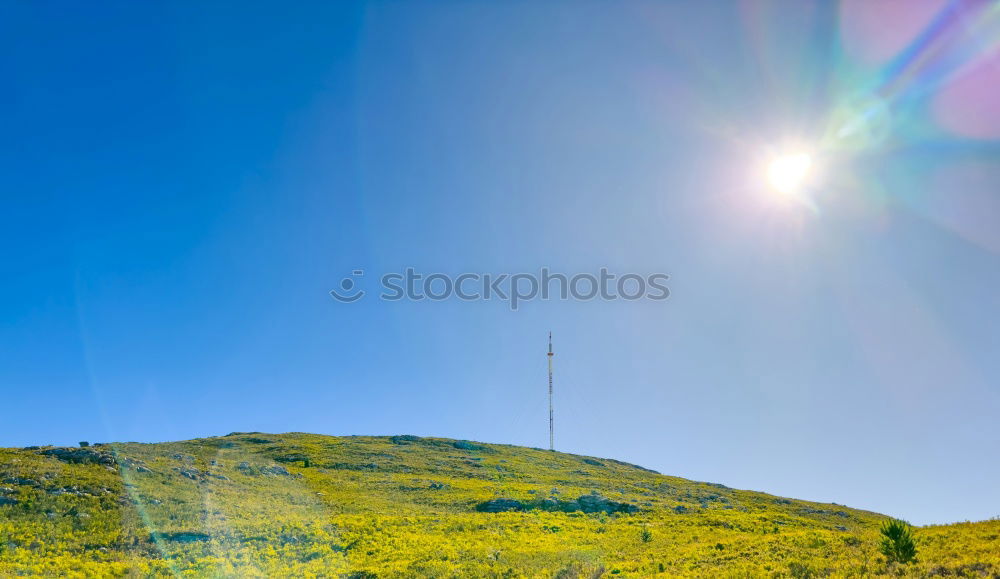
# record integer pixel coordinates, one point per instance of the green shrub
(800, 570)
(897, 542)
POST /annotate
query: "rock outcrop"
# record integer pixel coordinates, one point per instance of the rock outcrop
(500, 506)
(81, 456)
(592, 503)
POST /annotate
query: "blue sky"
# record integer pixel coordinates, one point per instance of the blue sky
(183, 184)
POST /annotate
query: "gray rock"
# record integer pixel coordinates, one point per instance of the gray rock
(500, 506)
(81, 456)
(191, 473)
(550, 504)
(21, 481)
(567, 506)
(592, 503)
(595, 503)
(7, 501)
(132, 463)
(274, 470)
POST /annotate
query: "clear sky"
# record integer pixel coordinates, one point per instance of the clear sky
(184, 182)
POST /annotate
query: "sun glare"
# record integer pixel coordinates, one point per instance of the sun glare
(788, 173)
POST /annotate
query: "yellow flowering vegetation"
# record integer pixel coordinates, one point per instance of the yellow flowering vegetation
(303, 505)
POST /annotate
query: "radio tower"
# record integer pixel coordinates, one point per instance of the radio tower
(552, 443)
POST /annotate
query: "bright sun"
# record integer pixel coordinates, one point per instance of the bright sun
(788, 173)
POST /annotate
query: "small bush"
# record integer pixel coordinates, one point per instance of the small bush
(801, 570)
(897, 542)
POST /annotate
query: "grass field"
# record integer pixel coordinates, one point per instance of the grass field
(252, 504)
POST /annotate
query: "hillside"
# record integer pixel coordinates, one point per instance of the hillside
(252, 504)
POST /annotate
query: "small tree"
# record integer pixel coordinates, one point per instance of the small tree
(646, 535)
(897, 542)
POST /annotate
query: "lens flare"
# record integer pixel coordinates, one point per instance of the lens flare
(788, 173)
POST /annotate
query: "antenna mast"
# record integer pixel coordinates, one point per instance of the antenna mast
(551, 430)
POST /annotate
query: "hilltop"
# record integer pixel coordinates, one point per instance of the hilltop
(254, 504)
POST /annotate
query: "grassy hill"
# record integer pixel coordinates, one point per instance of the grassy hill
(252, 504)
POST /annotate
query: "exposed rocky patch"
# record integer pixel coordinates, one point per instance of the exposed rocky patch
(81, 456)
(19, 481)
(273, 470)
(134, 464)
(198, 475)
(812, 511)
(180, 537)
(190, 473)
(501, 506)
(75, 490)
(592, 503)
